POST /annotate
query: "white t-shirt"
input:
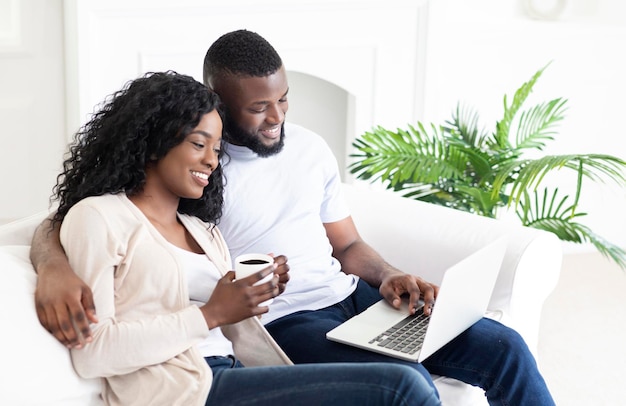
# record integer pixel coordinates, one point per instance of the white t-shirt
(278, 205)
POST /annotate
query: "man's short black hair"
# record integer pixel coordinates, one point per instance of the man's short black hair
(240, 52)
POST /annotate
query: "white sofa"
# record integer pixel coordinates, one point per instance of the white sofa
(414, 236)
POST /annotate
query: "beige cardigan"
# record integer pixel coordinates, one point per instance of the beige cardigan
(144, 343)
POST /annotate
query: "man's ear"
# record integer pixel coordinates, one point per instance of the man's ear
(208, 81)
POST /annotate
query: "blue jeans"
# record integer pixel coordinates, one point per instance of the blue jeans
(488, 354)
(317, 384)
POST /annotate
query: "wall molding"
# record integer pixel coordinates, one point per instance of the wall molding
(11, 28)
(381, 46)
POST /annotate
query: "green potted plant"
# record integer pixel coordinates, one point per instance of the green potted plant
(461, 166)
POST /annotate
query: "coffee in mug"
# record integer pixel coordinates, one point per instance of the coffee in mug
(247, 264)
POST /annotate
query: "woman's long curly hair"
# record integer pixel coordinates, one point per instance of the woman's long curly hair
(135, 126)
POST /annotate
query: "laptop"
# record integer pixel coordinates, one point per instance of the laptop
(463, 297)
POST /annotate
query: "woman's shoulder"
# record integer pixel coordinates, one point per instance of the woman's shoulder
(106, 200)
(93, 204)
(108, 209)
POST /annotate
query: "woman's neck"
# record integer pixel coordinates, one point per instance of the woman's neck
(158, 209)
(162, 214)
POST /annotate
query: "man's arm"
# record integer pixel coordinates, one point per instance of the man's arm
(358, 258)
(63, 301)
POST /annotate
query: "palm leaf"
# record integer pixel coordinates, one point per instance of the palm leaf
(537, 124)
(503, 126)
(475, 163)
(568, 230)
(553, 215)
(480, 201)
(404, 156)
(464, 125)
(604, 247)
(530, 173)
(452, 197)
(460, 165)
(546, 210)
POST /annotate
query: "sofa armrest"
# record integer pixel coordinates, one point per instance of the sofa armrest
(36, 369)
(20, 232)
(425, 239)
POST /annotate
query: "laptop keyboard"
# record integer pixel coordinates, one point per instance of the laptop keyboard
(406, 336)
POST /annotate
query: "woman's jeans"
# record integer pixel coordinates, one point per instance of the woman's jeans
(488, 354)
(317, 384)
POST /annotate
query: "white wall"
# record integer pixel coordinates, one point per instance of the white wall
(474, 51)
(481, 49)
(370, 49)
(32, 96)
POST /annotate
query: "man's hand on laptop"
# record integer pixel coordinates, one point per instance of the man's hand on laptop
(398, 284)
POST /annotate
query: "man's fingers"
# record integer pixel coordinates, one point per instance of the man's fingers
(414, 291)
(78, 325)
(429, 293)
(42, 316)
(51, 320)
(65, 317)
(398, 285)
(55, 326)
(392, 298)
(414, 302)
(66, 324)
(89, 306)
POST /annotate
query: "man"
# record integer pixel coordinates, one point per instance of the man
(283, 194)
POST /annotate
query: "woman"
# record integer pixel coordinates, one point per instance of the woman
(139, 197)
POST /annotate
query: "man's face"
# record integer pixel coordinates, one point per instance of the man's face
(255, 111)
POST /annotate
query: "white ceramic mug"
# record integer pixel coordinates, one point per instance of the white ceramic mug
(247, 264)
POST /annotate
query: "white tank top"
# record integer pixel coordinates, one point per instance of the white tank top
(202, 276)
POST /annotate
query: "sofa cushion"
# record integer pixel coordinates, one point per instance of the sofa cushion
(36, 365)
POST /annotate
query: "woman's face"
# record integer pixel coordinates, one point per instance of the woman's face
(184, 171)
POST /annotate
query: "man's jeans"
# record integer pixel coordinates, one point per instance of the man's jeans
(488, 354)
(317, 384)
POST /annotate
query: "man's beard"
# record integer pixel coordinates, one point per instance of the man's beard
(238, 136)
